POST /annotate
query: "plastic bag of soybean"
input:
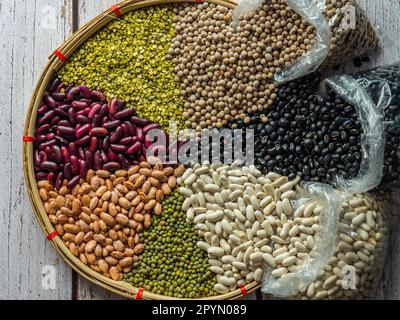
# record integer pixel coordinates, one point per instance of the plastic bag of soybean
(375, 94)
(341, 256)
(342, 31)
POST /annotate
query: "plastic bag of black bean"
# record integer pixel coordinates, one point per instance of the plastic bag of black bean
(376, 96)
(335, 248)
(341, 28)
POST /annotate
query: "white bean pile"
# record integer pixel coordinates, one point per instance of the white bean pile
(360, 246)
(248, 221)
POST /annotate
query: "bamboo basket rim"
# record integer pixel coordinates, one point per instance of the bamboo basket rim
(71, 44)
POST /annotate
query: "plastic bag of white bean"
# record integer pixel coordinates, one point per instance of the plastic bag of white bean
(375, 94)
(342, 30)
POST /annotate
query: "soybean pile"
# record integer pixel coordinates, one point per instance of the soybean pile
(172, 264)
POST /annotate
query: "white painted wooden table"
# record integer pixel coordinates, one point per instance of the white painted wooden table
(29, 32)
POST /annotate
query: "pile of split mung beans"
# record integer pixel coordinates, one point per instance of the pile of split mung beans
(202, 230)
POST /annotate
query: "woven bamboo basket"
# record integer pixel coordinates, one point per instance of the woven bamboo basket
(55, 63)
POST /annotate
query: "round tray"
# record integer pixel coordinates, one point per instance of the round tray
(55, 63)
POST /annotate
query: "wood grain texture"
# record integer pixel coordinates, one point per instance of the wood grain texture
(29, 31)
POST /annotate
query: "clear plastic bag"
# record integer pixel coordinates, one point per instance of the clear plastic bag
(376, 96)
(342, 31)
(327, 202)
(355, 268)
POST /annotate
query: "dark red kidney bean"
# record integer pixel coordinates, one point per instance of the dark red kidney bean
(104, 120)
(58, 96)
(125, 129)
(113, 106)
(54, 84)
(81, 153)
(86, 92)
(140, 121)
(106, 143)
(55, 120)
(65, 130)
(73, 150)
(75, 164)
(52, 177)
(65, 153)
(127, 141)
(43, 129)
(41, 176)
(50, 136)
(147, 142)
(135, 163)
(103, 110)
(83, 112)
(59, 180)
(135, 148)
(82, 168)
(64, 123)
(65, 107)
(112, 124)
(100, 145)
(99, 95)
(88, 159)
(49, 166)
(123, 161)
(98, 132)
(119, 148)
(89, 102)
(47, 117)
(83, 141)
(132, 129)
(61, 113)
(141, 158)
(36, 158)
(43, 156)
(84, 130)
(42, 109)
(112, 156)
(97, 121)
(83, 119)
(60, 87)
(122, 105)
(49, 101)
(68, 171)
(104, 156)
(73, 182)
(125, 114)
(117, 135)
(97, 162)
(95, 108)
(72, 93)
(111, 166)
(94, 142)
(50, 143)
(139, 134)
(57, 153)
(151, 126)
(40, 138)
(72, 116)
(79, 105)
(49, 153)
(62, 140)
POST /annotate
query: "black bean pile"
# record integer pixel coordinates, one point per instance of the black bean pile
(375, 82)
(307, 135)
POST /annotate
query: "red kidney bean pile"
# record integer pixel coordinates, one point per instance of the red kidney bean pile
(78, 130)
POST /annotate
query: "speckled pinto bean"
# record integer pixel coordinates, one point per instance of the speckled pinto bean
(78, 131)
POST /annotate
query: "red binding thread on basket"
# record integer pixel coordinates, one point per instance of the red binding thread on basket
(28, 139)
(52, 235)
(60, 55)
(244, 291)
(116, 10)
(139, 294)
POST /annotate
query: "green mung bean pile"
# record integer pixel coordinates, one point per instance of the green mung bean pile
(127, 59)
(171, 263)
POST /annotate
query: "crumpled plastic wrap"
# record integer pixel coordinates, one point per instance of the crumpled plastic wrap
(290, 284)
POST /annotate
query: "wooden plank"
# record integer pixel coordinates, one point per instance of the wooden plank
(85, 290)
(29, 31)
